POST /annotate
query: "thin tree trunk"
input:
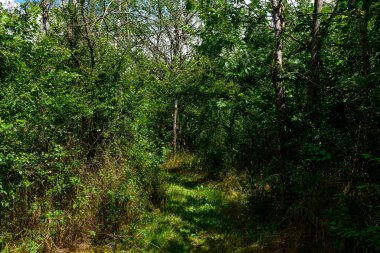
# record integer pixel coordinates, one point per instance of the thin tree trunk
(87, 37)
(278, 24)
(314, 86)
(364, 41)
(118, 34)
(358, 164)
(175, 127)
(45, 6)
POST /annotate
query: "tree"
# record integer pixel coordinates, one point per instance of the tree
(314, 84)
(278, 22)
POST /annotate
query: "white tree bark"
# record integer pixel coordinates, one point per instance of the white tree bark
(175, 116)
(278, 26)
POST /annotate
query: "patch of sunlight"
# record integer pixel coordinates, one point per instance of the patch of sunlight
(179, 191)
(195, 218)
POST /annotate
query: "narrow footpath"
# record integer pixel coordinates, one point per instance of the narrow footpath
(196, 216)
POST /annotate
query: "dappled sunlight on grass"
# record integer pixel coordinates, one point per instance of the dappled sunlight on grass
(197, 217)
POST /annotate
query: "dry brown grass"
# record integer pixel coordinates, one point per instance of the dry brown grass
(181, 161)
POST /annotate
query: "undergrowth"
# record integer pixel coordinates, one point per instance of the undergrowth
(103, 201)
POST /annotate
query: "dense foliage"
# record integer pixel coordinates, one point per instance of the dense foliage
(281, 94)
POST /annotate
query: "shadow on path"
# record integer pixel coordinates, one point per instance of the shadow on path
(197, 217)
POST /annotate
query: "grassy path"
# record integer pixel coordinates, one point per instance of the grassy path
(197, 216)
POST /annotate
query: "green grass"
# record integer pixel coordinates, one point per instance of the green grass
(197, 216)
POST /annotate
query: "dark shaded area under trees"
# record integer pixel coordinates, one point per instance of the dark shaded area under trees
(275, 99)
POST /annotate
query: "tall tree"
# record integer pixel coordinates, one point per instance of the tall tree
(362, 142)
(45, 6)
(314, 84)
(278, 22)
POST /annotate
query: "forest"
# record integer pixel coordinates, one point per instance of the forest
(190, 126)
